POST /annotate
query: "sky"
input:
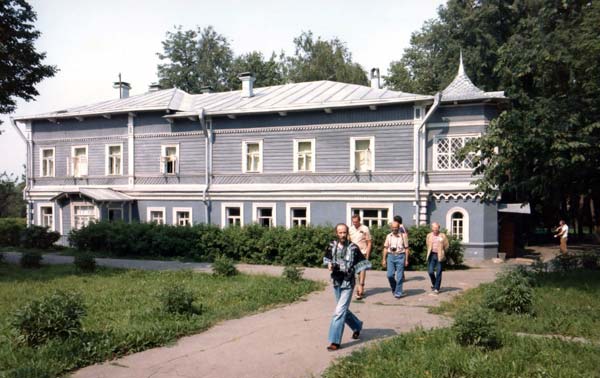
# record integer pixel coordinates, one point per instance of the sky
(92, 41)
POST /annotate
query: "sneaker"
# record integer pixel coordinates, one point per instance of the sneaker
(356, 335)
(432, 288)
(436, 292)
(333, 347)
(400, 295)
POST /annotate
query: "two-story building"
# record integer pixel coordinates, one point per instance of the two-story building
(287, 155)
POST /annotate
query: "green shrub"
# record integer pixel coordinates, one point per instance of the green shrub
(31, 259)
(10, 231)
(511, 293)
(85, 262)
(178, 299)
(28, 372)
(292, 273)
(57, 315)
(564, 263)
(475, 326)
(589, 261)
(38, 237)
(1, 257)
(223, 266)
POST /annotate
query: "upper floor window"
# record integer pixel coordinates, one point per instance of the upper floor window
(114, 159)
(78, 163)
(362, 154)
(304, 155)
(252, 156)
(446, 153)
(169, 160)
(47, 162)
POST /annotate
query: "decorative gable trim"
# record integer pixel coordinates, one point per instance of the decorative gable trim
(328, 126)
(457, 196)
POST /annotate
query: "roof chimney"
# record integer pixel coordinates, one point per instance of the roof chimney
(123, 87)
(375, 81)
(247, 84)
(154, 87)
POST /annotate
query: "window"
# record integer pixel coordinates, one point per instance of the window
(83, 215)
(304, 155)
(457, 221)
(155, 215)
(79, 161)
(419, 111)
(371, 214)
(169, 160)
(114, 160)
(252, 156)
(47, 162)
(182, 216)
(232, 214)
(362, 154)
(264, 214)
(446, 150)
(297, 214)
(115, 214)
(46, 215)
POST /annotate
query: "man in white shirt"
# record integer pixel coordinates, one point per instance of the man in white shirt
(562, 233)
(360, 235)
(395, 258)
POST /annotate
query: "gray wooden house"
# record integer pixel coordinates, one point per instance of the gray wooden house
(294, 154)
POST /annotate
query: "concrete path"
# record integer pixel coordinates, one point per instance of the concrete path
(288, 341)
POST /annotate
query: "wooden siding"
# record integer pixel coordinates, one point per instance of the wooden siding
(473, 112)
(191, 155)
(72, 128)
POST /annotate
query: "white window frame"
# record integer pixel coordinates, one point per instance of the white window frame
(107, 160)
(436, 140)
(421, 113)
(245, 155)
(312, 151)
(353, 141)
(53, 173)
(225, 206)
(369, 206)
(149, 211)
(40, 215)
(72, 161)
(257, 205)
(163, 156)
(465, 218)
(182, 209)
(79, 204)
(296, 205)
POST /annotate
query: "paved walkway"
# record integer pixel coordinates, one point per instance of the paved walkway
(288, 341)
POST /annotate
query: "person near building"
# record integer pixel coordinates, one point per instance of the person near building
(360, 235)
(562, 232)
(437, 246)
(395, 258)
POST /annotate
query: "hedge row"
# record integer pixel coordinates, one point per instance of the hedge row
(253, 243)
(15, 233)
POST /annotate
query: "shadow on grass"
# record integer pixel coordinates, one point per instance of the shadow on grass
(15, 273)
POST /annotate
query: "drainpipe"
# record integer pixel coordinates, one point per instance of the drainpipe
(206, 170)
(436, 102)
(28, 170)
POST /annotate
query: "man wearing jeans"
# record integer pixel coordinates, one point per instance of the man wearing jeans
(395, 258)
(344, 261)
(437, 245)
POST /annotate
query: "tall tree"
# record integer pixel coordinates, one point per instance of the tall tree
(194, 59)
(11, 197)
(316, 59)
(267, 72)
(21, 66)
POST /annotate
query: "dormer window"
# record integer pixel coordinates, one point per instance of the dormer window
(169, 160)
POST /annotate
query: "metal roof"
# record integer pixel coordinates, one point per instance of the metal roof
(517, 208)
(97, 194)
(463, 89)
(288, 97)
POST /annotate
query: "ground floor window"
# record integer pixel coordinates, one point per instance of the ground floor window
(232, 214)
(155, 215)
(115, 214)
(372, 214)
(47, 217)
(182, 216)
(83, 215)
(457, 222)
(297, 214)
(264, 214)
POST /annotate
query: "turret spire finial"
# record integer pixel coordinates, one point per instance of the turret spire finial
(461, 68)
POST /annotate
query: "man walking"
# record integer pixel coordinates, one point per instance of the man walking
(563, 234)
(437, 245)
(395, 258)
(360, 235)
(344, 261)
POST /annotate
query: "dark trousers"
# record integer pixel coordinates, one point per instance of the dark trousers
(434, 268)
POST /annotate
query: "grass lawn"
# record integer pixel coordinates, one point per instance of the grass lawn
(124, 314)
(564, 304)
